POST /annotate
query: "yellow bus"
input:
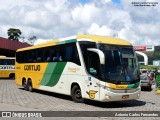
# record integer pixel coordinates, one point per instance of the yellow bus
(7, 67)
(92, 67)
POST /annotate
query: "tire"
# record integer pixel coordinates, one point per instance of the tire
(24, 84)
(29, 86)
(76, 94)
(12, 76)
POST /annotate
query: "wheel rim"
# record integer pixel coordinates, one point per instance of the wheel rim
(30, 87)
(78, 94)
(24, 84)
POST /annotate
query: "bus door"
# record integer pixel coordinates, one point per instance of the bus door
(93, 68)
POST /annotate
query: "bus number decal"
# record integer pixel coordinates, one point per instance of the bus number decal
(91, 93)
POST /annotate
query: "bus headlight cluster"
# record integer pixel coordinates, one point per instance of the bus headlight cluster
(106, 88)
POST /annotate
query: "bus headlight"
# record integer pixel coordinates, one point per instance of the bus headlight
(106, 88)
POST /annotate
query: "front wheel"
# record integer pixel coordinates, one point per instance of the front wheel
(76, 94)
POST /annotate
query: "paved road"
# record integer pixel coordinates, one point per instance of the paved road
(14, 98)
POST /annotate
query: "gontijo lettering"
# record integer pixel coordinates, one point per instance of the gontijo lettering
(32, 67)
(8, 67)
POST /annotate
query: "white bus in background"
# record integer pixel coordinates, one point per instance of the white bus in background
(7, 67)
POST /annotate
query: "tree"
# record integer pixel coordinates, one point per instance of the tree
(32, 39)
(154, 56)
(14, 34)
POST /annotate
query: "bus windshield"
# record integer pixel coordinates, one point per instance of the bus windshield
(121, 65)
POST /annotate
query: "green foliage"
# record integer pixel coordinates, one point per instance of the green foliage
(14, 34)
(148, 67)
(151, 57)
(154, 56)
(32, 40)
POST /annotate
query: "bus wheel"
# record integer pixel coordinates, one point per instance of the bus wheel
(24, 84)
(76, 94)
(29, 85)
(12, 76)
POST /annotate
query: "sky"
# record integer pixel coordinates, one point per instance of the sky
(53, 19)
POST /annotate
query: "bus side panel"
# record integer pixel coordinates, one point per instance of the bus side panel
(71, 74)
(64, 73)
(54, 79)
(6, 70)
(32, 71)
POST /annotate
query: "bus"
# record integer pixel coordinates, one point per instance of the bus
(92, 67)
(7, 67)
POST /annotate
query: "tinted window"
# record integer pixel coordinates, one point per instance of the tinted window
(72, 53)
(69, 51)
(7, 62)
(60, 53)
(91, 59)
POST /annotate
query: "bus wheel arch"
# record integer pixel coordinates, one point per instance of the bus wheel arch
(76, 93)
(11, 75)
(24, 83)
(30, 85)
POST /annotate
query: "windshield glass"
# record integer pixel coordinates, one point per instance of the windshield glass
(120, 64)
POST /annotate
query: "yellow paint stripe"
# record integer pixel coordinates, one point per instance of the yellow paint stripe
(104, 39)
(50, 43)
(117, 87)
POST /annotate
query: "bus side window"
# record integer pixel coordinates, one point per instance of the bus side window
(68, 53)
(9, 62)
(34, 56)
(53, 56)
(1, 62)
(29, 56)
(20, 57)
(72, 53)
(13, 61)
(56, 56)
(59, 54)
(60, 58)
(39, 55)
(46, 55)
(76, 56)
(6, 62)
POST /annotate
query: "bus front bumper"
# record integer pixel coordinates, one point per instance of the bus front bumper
(112, 96)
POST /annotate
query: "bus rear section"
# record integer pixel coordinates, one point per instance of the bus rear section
(7, 67)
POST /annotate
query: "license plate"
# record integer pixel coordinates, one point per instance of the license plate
(125, 96)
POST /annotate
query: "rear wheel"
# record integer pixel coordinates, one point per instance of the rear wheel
(76, 94)
(24, 84)
(29, 86)
(12, 76)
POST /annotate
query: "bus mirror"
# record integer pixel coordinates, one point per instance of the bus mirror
(100, 54)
